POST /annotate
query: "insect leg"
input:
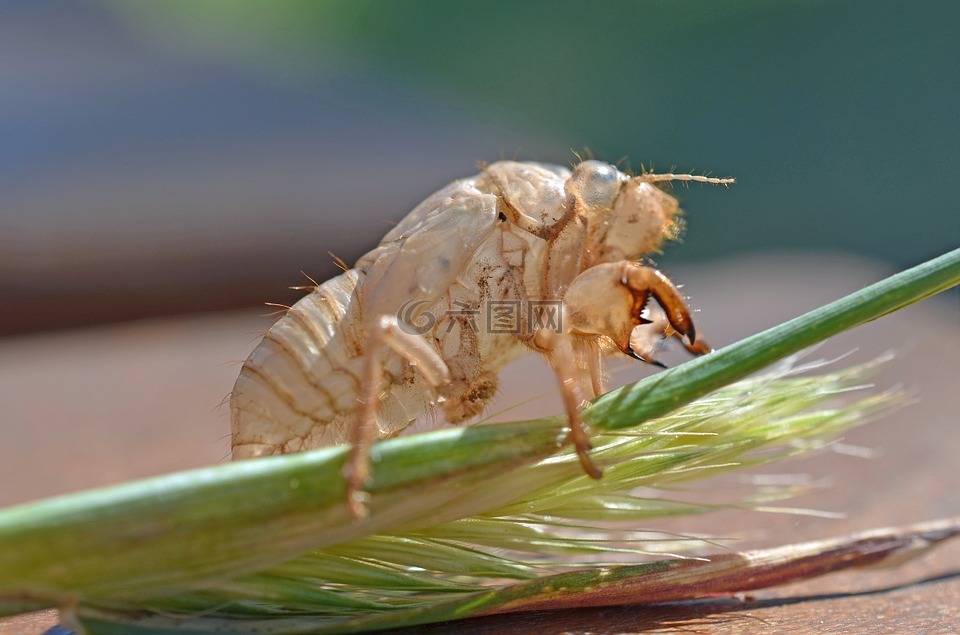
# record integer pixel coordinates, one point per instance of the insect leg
(595, 366)
(700, 347)
(388, 333)
(646, 281)
(608, 299)
(559, 351)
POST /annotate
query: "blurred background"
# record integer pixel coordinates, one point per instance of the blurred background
(162, 158)
(167, 167)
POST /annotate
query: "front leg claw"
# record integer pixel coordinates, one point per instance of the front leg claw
(608, 300)
(644, 282)
(646, 360)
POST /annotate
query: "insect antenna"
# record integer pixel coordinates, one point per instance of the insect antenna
(656, 178)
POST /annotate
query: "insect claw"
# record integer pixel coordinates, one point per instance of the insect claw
(589, 466)
(700, 348)
(653, 362)
(582, 445)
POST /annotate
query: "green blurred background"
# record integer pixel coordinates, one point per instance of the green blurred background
(207, 151)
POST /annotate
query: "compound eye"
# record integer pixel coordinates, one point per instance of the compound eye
(596, 183)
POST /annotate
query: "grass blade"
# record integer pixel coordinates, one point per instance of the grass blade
(158, 534)
(655, 582)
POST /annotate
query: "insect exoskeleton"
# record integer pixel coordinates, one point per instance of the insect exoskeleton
(523, 257)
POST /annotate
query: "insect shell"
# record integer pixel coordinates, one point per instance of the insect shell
(406, 330)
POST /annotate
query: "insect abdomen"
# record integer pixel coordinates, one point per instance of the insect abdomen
(301, 382)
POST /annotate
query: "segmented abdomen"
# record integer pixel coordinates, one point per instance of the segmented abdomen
(298, 390)
(299, 387)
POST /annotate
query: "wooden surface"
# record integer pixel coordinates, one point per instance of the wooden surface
(87, 408)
